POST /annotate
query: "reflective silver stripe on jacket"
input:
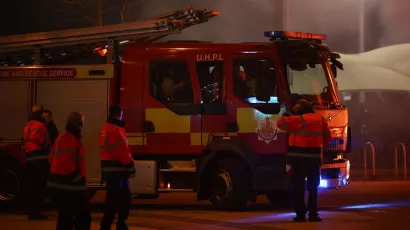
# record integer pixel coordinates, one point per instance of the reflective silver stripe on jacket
(307, 155)
(35, 158)
(303, 132)
(66, 187)
(109, 147)
(116, 169)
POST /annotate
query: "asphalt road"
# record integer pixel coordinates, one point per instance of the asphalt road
(362, 205)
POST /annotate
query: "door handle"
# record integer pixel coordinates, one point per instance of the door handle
(232, 127)
(149, 127)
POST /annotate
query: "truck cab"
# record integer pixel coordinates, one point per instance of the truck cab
(208, 111)
(310, 69)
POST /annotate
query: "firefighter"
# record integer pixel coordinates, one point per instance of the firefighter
(308, 133)
(66, 185)
(36, 146)
(117, 166)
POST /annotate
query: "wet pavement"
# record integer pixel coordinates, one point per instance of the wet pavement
(362, 205)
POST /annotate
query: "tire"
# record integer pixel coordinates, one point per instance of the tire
(11, 184)
(281, 199)
(231, 185)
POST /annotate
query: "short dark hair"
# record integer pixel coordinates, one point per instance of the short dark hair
(305, 106)
(48, 111)
(115, 110)
(38, 108)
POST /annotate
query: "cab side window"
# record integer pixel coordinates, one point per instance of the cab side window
(210, 78)
(246, 73)
(170, 81)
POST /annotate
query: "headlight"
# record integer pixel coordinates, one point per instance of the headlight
(338, 132)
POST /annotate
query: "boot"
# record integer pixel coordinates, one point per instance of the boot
(299, 218)
(122, 225)
(315, 217)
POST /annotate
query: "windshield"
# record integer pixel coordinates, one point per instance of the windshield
(312, 82)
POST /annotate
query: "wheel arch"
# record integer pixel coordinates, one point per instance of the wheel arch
(221, 149)
(8, 162)
(7, 158)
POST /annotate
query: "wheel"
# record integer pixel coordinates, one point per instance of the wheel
(280, 199)
(91, 193)
(11, 183)
(231, 185)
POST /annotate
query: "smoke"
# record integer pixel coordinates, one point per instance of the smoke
(395, 16)
(239, 21)
(246, 20)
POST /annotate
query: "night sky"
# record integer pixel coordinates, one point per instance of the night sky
(28, 16)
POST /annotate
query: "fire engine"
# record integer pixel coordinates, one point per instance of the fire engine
(201, 116)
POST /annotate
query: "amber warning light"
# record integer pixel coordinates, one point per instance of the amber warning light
(216, 13)
(294, 35)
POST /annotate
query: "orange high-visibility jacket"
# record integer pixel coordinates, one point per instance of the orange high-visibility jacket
(67, 164)
(36, 141)
(116, 159)
(308, 133)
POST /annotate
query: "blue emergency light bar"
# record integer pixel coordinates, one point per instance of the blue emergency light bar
(294, 35)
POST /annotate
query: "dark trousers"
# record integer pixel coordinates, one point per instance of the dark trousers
(305, 173)
(73, 212)
(118, 198)
(36, 185)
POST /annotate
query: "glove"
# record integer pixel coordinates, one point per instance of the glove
(133, 171)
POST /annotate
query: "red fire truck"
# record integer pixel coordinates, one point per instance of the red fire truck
(201, 116)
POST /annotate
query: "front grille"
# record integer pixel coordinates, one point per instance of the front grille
(336, 145)
(326, 174)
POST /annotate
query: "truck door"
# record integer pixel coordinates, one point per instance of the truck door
(170, 105)
(211, 71)
(256, 119)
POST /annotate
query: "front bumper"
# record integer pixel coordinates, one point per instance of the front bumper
(335, 174)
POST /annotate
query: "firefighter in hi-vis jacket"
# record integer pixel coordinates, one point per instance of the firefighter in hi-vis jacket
(36, 144)
(117, 166)
(66, 185)
(308, 133)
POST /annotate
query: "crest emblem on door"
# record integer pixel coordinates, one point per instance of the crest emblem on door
(267, 130)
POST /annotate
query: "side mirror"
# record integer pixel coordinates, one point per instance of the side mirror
(335, 65)
(334, 70)
(264, 89)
